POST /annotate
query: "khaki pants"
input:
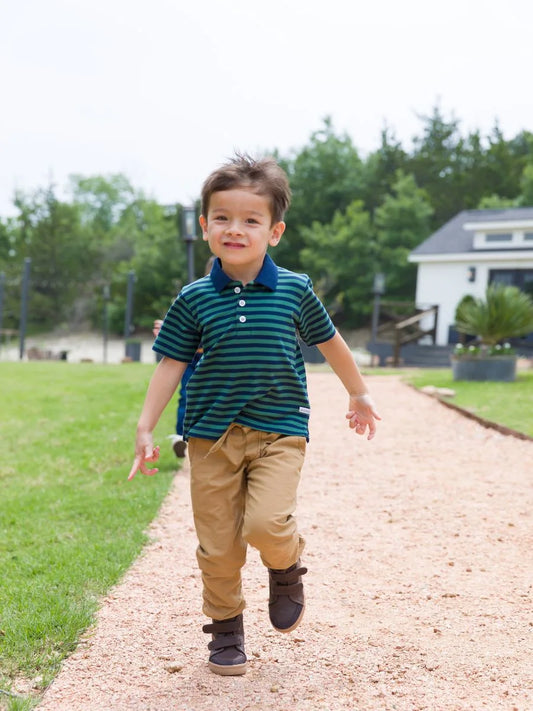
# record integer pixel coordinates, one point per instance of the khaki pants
(243, 489)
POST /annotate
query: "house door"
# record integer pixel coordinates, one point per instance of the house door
(522, 278)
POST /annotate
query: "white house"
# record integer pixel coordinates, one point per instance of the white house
(469, 252)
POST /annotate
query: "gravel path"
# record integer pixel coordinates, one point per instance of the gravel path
(418, 592)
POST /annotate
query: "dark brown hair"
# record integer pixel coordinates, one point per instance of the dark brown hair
(263, 175)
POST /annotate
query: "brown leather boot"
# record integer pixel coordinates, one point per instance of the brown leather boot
(227, 646)
(287, 603)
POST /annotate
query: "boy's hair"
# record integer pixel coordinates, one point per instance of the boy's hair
(263, 175)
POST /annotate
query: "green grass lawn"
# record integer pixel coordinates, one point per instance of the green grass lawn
(70, 522)
(509, 404)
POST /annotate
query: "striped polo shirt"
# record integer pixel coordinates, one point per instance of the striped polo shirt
(251, 371)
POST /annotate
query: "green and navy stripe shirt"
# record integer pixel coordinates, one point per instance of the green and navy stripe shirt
(251, 371)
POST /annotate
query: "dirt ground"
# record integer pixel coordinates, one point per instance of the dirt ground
(418, 592)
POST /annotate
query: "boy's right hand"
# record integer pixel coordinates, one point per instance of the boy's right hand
(147, 453)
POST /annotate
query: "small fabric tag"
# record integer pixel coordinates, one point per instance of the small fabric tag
(305, 410)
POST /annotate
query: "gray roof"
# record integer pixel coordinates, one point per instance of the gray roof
(452, 238)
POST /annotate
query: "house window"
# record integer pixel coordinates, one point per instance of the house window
(528, 236)
(522, 278)
(499, 237)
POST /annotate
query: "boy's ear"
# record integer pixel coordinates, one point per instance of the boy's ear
(277, 231)
(203, 225)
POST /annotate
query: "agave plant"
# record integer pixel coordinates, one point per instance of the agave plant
(506, 312)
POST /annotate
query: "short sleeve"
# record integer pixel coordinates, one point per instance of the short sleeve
(179, 337)
(315, 325)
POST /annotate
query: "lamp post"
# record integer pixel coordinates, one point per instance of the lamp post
(107, 296)
(378, 289)
(132, 348)
(188, 233)
(2, 280)
(129, 305)
(24, 305)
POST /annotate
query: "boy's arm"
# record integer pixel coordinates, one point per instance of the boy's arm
(361, 410)
(162, 386)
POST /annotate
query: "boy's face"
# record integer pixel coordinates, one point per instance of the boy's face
(239, 231)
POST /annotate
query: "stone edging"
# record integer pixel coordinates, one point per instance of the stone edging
(507, 431)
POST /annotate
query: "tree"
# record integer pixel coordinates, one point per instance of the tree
(435, 163)
(341, 257)
(496, 202)
(131, 232)
(102, 199)
(526, 186)
(11, 271)
(524, 199)
(402, 222)
(5, 242)
(51, 234)
(325, 177)
(505, 161)
(380, 169)
(159, 259)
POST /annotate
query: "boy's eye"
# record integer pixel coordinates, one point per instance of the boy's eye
(219, 217)
(252, 221)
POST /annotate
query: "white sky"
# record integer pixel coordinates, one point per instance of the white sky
(165, 90)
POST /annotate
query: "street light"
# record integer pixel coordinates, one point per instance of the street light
(378, 289)
(188, 233)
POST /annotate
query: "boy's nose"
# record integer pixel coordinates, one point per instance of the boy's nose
(233, 227)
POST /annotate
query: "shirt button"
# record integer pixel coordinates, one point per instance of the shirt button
(242, 302)
(242, 319)
(237, 289)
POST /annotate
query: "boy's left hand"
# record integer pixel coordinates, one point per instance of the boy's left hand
(362, 414)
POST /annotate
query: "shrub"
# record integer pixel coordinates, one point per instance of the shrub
(506, 312)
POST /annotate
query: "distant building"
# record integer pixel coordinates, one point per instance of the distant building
(472, 250)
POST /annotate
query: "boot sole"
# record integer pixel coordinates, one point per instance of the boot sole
(293, 627)
(228, 669)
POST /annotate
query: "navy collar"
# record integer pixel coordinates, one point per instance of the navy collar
(268, 276)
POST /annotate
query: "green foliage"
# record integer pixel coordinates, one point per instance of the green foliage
(402, 222)
(466, 300)
(343, 256)
(495, 202)
(70, 522)
(103, 199)
(506, 312)
(436, 155)
(380, 170)
(51, 234)
(340, 258)
(526, 186)
(76, 248)
(325, 177)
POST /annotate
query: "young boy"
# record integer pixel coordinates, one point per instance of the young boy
(247, 404)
